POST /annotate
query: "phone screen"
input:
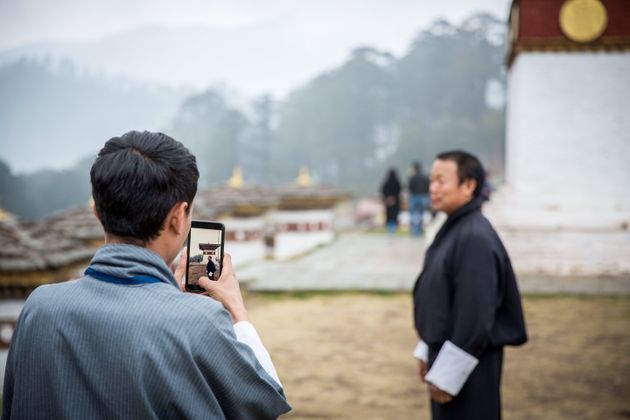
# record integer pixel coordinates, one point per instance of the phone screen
(205, 253)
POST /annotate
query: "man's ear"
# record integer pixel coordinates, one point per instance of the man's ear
(469, 186)
(94, 210)
(178, 217)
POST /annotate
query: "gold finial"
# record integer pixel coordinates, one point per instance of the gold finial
(3, 215)
(303, 179)
(236, 181)
(583, 20)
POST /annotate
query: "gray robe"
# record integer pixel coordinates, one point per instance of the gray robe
(137, 348)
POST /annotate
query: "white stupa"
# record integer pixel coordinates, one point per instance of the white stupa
(565, 208)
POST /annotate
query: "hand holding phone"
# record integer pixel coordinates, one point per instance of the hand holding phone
(205, 253)
(227, 291)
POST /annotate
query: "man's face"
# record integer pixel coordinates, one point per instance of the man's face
(447, 194)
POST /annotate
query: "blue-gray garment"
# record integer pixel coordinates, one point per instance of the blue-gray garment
(88, 349)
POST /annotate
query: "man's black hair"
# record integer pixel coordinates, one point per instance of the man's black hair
(137, 179)
(468, 167)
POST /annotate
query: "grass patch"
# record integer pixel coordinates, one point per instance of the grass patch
(347, 354)
(573, 295)
(308, 294)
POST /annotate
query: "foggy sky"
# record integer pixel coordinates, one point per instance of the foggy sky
(308, 37)
(323, 31)
(382, 23)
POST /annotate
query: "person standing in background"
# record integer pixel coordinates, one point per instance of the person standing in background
(418, 199)
(488, 188)
(210, 268)
(391, 197)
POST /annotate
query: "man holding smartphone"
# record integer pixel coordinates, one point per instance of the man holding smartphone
(124, 341)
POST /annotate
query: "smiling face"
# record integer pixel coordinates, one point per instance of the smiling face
(447, 193)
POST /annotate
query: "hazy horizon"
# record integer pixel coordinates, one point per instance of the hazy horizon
(244, 49)
(302, 39)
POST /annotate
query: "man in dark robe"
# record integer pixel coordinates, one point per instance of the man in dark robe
(466, 300)
(210, 268)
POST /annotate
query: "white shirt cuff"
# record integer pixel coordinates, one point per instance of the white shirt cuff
(421, 352)
(451, 368)
(246, 333)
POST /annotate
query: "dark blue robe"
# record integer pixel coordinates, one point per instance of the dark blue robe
(467, 294)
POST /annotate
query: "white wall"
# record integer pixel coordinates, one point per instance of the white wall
(568, 134)
(242, 251)
(565, 209)
(289, 244)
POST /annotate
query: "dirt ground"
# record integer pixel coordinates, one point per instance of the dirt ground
(348, 356)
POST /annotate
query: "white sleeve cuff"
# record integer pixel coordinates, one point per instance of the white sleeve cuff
(246, 333)
(451, 368)
(421, 352)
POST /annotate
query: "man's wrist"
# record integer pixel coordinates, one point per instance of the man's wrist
(239, 314)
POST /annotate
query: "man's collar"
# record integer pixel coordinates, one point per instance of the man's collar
(469, 207)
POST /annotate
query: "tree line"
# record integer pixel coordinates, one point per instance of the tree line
(347, 125)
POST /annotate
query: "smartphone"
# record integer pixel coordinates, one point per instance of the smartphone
(205, 253)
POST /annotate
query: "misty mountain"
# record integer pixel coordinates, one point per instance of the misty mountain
(38, 194)
(258, 58)
(53, 115)
(347, 125)
(372, 111)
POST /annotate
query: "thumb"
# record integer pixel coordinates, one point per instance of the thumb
(207, 284)
(180, 269)
(227, 264)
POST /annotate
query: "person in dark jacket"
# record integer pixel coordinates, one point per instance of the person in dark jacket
(418, 198)
(210, 268)
(391, 197)
(467, 305)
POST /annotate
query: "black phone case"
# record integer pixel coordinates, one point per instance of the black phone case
(203, 224)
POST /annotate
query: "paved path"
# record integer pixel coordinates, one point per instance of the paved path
(361, 261)
(371, 261)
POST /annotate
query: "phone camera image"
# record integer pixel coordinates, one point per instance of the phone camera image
(205, 253)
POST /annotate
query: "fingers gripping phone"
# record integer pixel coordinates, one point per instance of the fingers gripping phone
(205, 253)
